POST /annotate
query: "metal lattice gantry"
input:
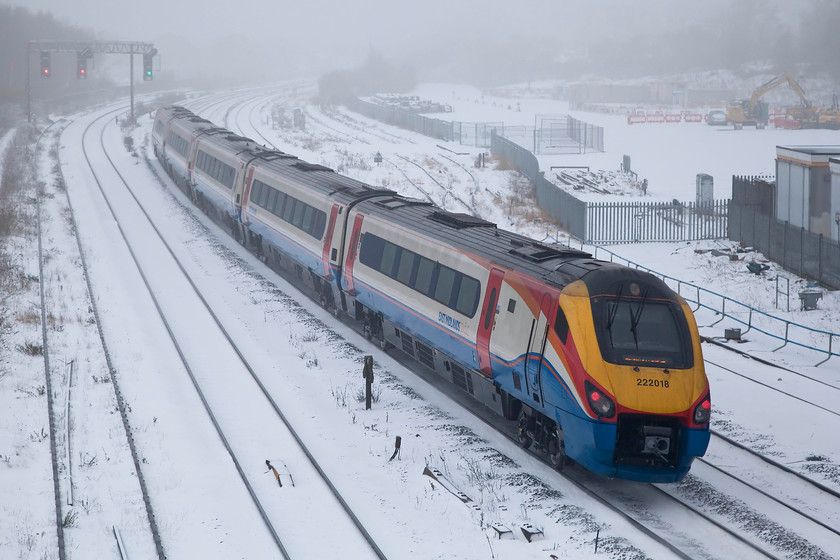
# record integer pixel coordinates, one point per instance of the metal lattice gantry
(104, 47)
(85, 50)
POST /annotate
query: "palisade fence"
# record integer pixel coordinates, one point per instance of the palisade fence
(752, 222)
(634, 222)
(616, 222)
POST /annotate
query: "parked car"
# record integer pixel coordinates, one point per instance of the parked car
(716, 118)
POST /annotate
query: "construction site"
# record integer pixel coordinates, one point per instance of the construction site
(757, 112)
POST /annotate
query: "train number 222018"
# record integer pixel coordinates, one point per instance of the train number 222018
(652, 383)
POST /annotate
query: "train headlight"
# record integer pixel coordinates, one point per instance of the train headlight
(599, 402)
(703, 411)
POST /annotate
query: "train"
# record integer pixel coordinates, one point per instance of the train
(588, 361)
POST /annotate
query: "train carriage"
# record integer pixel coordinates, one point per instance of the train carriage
(596, 362)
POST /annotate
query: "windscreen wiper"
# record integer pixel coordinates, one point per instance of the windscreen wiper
(636, 317)
(612, 314)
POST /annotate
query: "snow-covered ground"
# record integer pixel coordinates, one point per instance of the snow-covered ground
(313, 365)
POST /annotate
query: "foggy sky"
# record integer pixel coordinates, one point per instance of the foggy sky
(314, 36)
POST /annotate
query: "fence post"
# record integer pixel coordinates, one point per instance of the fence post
(787, 327)
(801, 251)
(819, 259)
(784, 245)
(830, 338)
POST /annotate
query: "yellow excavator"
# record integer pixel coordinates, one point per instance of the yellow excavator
(754, 112)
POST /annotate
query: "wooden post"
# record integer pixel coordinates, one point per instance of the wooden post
(367, 373)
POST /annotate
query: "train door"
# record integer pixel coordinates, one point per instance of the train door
(327, 255)
(486, 321)
(345, 272)
(246, 194)
(536, 348)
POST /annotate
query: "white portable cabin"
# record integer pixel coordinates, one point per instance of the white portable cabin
(805, 195)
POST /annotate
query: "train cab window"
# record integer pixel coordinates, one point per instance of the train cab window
(425, 272)
(638, 331)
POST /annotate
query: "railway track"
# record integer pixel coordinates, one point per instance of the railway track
(77, 489)
(784, 540)
(171, 286)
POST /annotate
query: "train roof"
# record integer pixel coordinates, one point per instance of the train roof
(556, 265)
(553, 264)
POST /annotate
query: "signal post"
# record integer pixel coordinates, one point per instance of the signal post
(84, 52)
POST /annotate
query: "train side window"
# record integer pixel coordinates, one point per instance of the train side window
(389, 257)
(423, 279)
(405, 266)
(272, 200)
(561, 325)
(370, 253)
(320, 224)
(289, 210)
(468, 294)
(278, 206)
(298, 215)
(255, 192)
(306, 221)
(511, 305)
(445, 285)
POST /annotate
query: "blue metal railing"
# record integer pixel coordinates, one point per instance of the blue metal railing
(747, 310)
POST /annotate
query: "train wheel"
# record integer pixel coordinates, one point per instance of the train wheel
(556, 453)
(522, 432)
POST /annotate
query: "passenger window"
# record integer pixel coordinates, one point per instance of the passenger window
(298, 215)
(468, 294)
(405, 267)
(389, 255)
(423, 280)
(320, 224)
(289, 210)
(371, 250)
(306, 222)
(278, 207)
(445, 284)
(272, 200)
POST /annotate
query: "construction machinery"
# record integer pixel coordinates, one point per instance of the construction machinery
(755, 112)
